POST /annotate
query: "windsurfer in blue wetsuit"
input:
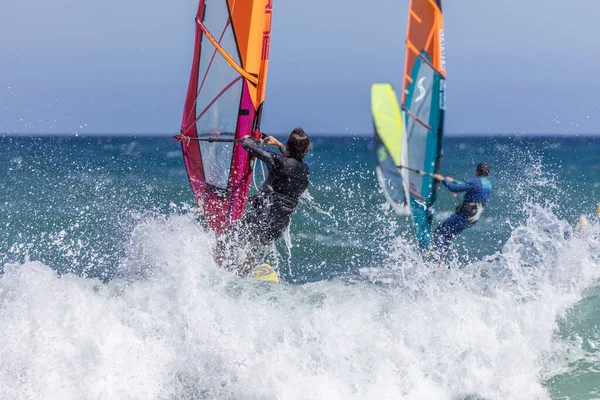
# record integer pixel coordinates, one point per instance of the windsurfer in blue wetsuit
(469, 211)
(271, 209)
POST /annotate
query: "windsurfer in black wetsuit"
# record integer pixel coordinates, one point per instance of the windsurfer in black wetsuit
(271, 209)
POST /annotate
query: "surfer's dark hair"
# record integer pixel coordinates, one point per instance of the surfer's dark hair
(483, 169)
(298, 144)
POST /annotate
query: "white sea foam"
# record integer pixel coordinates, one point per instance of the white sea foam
(174, 325)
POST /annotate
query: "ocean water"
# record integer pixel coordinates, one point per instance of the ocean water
(108, 289)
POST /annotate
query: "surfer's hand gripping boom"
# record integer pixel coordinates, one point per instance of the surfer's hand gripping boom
(437, 177)
(271, 141)
(265, 139)
(440, 178)
(268, 141)
(418, 171)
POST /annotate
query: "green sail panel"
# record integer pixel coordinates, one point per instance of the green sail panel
(390, 146)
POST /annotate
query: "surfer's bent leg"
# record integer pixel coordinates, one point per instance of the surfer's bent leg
(229, 251)
(254, 251)
(263, 233)
(251, 243)
(451, 228)
(225, 252)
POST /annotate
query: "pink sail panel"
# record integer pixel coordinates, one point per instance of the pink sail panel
(224, 99)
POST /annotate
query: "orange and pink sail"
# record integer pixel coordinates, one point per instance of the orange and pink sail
(224, 103)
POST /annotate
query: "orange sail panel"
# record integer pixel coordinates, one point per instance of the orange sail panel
(224, 101)
(425, 32)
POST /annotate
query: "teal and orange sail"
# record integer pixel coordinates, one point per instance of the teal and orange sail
(411, 139)
(224, 103)
(423, 100)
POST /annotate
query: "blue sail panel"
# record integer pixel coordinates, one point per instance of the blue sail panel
(424, 131)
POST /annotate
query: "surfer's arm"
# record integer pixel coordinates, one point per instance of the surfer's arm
(252, 147)
(457, 186)
(271, 141)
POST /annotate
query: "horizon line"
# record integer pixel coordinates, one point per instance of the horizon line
(320, 134)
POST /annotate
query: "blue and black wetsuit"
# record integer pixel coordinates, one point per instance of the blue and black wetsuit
(467, 214)
(272, 208)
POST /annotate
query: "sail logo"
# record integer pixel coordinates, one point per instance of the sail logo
(442, 50)
(382, 154)
(422, 90)
(442, 94)
(266, 42)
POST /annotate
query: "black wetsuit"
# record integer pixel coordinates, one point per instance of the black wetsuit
(272, 208)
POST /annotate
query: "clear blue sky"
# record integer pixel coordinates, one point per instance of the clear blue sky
(113, 66)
